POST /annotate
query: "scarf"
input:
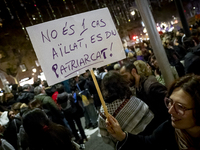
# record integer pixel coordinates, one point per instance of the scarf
(185, 141)
(133, 116)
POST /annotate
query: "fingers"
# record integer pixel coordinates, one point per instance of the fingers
(111, 119)
(109, 125)
(110, 130)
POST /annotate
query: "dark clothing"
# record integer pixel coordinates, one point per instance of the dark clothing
(25, 97)
(172, 56)
(192, 60)
(180, 69)
(15, 93)
(69, 107)
(50, 90)
(79, 125)
(181, 51)
(8, 103)
(72, 105)
(174, 60)
(10, 134)
(153, 93)
(92, 89)
(67, 104)
(163, 138)
(50, 105)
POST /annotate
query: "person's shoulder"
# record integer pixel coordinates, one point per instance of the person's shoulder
(152, 78)
(152, 84)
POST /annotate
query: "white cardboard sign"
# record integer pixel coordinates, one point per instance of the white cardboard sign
(68, 46)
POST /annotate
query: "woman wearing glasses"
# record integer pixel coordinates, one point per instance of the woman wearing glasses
(181, 133)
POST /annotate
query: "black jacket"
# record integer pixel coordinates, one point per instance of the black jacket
(181, 51)
(10, 134)
(25, 97)
(68, 104)
(163, 138)
(192, 60)
(153, 94)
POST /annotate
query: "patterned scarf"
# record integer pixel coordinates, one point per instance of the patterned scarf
(133, 116)
(185, 141)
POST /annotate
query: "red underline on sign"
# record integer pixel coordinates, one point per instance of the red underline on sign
(83, 68)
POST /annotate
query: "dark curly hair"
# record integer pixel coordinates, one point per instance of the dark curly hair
(115, 86)
(191, 85)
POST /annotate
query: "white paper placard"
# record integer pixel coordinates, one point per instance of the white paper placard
(68, 46)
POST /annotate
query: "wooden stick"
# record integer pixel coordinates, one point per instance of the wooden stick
(99, 93)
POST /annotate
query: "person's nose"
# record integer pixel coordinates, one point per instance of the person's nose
(172, 110)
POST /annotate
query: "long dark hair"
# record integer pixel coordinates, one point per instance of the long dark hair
(45, 134)
(115, 86)
(191, 85)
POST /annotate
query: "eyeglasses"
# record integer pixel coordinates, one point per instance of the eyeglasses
(179, 108)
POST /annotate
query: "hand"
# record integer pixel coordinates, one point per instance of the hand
(114, 128)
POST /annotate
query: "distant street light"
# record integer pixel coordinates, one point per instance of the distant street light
(144, 30)
(133, 13)
(142, 23)
(34, 70)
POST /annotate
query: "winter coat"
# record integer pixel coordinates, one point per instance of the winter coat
(153, 93)
(192, 60)
(10, 134)
(25, 97)
(49, 104)
(163, 138)
(181, 51)
(70, 106)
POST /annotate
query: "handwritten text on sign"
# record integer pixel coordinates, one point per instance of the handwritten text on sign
(68, 46)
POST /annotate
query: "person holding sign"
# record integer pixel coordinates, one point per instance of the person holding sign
(132, 114)
(180, 133)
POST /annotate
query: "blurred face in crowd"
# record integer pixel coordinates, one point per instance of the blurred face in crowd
(128, 76)
(11, 114)
(76, 78)
(183, 101)
(154, 63)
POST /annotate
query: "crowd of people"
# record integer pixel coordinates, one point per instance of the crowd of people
(143, 113)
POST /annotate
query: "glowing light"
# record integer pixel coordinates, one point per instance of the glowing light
(25, 79)
(129, 20)
(134, 37)
(35, 5)
(158, 28)
(170, 30)
(133, 13)
(34, 70)
(193, 7)
(142, 23)
(145, 30)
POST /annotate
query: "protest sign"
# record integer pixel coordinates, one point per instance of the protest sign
(68, 46)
